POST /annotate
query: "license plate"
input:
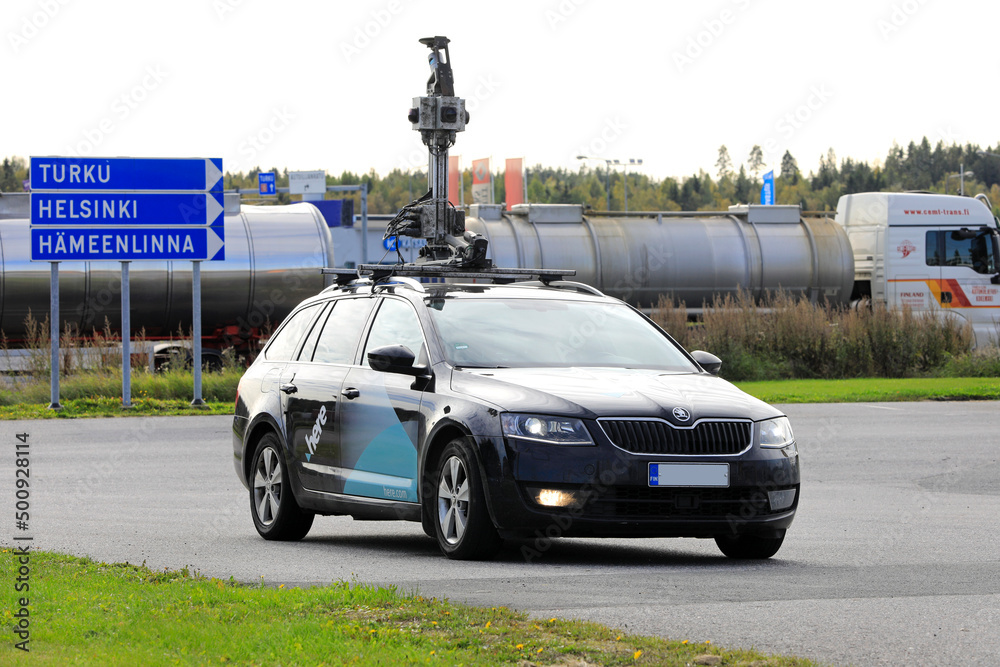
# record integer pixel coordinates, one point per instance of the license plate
(689, 474)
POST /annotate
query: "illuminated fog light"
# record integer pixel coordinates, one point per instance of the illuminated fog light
(554, 498)
(781, 499)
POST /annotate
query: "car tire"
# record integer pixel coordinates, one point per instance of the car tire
(748, 547)
(462, 522)
(276, 515)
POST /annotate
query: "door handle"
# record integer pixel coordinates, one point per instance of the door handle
(289, 388)
(350, 392)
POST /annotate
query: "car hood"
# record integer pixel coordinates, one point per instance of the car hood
(609, 392)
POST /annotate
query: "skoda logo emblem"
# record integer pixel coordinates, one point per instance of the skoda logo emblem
(681, 415)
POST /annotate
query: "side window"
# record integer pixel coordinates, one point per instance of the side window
(981, 254)
(956, 248)
(306, 353)
(286, 341)
(396, 324)
(933, 251)
(339, 339)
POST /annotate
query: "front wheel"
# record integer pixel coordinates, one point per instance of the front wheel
(748, 547)
(462, 523)
(276, 515)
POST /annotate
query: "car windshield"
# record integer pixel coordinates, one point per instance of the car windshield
(531, 333)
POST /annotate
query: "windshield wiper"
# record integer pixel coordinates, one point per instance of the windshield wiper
(465, 367)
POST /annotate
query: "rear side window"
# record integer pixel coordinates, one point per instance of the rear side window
(339, 338)
(284, 343)
(306, 353)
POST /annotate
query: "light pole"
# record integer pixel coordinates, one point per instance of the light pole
(961, 176)
(631, 161)
(607, 175)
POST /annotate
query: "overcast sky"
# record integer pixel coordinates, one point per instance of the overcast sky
(326, 85)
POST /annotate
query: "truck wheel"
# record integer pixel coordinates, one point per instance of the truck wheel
(748, 546)
(462, 523)
(276, 515)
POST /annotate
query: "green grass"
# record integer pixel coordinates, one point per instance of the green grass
(88, 613)
(106, 406)
(177, 385)
(776, 391)
(98, 394)
(874, 389)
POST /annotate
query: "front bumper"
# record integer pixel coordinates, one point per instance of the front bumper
(612, 496)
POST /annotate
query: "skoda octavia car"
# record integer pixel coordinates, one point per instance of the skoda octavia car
(522, 411)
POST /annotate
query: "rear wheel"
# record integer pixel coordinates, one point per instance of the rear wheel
(748, 547)
(462, 523)
(276, 515)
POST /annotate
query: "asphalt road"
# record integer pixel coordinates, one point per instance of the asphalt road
(894, 557)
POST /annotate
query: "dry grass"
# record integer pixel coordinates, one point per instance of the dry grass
(783, 337)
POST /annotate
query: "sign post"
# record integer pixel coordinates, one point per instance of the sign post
(127, 209)
(196, 326)
(54, 336)
(126, 340)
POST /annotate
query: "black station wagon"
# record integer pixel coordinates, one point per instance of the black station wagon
(516, 411)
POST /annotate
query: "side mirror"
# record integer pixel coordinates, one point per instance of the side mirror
(709, 362)
(395, 359)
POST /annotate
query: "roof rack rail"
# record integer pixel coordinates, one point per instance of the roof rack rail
(583, 288)
(379, 272)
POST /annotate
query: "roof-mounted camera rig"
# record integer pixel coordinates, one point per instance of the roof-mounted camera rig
(439, 116)
(451, 250)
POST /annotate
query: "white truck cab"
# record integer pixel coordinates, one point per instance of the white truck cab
(933, 253)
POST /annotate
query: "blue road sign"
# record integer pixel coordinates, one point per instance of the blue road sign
(103, 174)
(56, 244)
(126, 208)
(266, 183)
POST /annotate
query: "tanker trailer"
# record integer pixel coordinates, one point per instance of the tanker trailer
(684, 256)
(273, 259)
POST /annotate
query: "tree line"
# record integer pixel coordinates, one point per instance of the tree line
(917, 167)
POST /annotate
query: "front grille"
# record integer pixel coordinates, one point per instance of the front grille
(642, 502)
(706, 438)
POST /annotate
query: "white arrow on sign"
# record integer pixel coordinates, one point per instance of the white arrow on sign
(212, 175)
(213, 209)
(213, 242)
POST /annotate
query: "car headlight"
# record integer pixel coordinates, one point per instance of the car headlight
(543, 428)
(776, 433)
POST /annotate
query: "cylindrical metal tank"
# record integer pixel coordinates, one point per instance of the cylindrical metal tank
(689, 257)
(273, 256)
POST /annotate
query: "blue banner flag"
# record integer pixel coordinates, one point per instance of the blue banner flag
(767, 192)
